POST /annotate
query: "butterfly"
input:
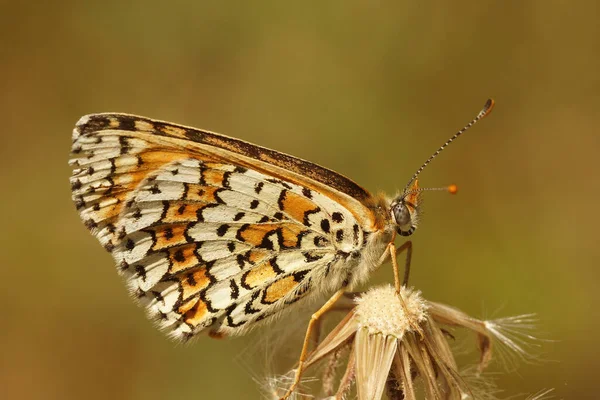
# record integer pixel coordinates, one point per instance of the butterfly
(214, 234)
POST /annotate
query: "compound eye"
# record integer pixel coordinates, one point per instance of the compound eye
(401, 214)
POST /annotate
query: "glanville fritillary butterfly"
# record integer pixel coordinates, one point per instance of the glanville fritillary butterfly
(214, 234)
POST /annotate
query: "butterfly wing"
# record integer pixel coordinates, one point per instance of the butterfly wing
(208, 236)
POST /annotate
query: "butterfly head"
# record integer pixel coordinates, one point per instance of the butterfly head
(405, 209)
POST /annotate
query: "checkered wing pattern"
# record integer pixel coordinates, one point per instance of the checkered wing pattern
(202, 239)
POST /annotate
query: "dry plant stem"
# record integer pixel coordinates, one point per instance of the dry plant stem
(348, 377)
(432, 388)
(392, 388)
(440, 343)
(402, 370)
(435, 363)
(313, 319)
(330, 370)
(420, 358)
(452, 380)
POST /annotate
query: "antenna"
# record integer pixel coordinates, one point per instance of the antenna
(487, 108)
(452, 189)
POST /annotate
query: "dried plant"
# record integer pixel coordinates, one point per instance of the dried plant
(399, 345)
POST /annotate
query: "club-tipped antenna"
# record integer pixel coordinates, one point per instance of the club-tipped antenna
(487, 108)
(452, 189)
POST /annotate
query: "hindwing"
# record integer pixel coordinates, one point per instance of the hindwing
(205, 236)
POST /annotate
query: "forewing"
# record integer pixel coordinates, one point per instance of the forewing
(203, 242)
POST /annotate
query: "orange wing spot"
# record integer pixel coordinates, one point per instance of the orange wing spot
(168, 236)
(194, 282)
(161, 157)
(181, 212)
(259, 275)
(196, 315)
(254, 234)
(215, 165)
(256, 256)
(296, 206)
(279, 288)
(291, 235)
(213, 177)
(182, 258)
(187, 306)
(205, 194)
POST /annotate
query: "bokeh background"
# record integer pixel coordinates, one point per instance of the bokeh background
(367, 88)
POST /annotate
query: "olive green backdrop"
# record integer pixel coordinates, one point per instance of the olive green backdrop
(367, 88)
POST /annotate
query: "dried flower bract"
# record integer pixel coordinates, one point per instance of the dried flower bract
(399, 345)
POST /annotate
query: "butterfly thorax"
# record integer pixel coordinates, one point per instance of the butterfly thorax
(378, 235)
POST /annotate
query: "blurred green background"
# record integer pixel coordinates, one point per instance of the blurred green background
(367, 88)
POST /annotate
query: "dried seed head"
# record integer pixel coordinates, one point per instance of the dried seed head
(380, 311)
(400, 343)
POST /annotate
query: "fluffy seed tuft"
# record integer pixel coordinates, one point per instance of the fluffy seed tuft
(380, 310)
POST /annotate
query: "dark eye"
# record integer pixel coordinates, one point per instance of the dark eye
(401, 214)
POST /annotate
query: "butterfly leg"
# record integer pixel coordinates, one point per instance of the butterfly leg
(344, 303)
(394, 252)
(307, 339)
